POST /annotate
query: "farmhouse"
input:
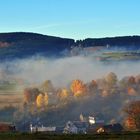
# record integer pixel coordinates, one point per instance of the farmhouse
(7, 127)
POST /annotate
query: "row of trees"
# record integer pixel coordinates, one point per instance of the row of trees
(107, 95)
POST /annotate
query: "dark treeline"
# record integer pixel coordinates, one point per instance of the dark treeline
(21, 45)
(124, 41)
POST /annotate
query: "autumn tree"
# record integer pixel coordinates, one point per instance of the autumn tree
(30, 95)
(46, 100)
(133, 112)
(111, 79)
(78, 88)
(105, 93)
(137, 79)
(63, 94)
(42, 100)
(129, 123)
(47, 86)
(123, 84)
(102, 84)
(92, 87)
(131, 91)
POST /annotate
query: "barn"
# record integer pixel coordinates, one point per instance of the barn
(7, 127)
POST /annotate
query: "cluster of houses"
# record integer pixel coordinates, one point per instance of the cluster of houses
(79, 127)
(84, 126)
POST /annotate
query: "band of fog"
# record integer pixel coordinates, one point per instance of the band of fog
(62, 71)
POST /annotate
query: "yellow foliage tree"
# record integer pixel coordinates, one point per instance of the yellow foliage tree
(40, 100)
(46, 99)
(63, 94)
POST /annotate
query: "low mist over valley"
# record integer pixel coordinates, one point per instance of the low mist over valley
(61, 71)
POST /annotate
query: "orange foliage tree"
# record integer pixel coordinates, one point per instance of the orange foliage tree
(130, 123)
(133, 112)
(78, 88)
(131, 91)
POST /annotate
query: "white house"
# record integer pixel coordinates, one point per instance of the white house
(41, 129)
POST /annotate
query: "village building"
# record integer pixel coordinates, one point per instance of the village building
(42, 128)
(7, 127)
(75, 127)
(115, 128)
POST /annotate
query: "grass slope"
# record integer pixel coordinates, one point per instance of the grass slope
(27, 136)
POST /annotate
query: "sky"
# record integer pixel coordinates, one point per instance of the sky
(77, 19)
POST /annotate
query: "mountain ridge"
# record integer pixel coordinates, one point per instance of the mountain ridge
(25, 44)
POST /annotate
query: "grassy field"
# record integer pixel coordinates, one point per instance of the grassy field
(121, 56)
(26, 136)
(10, 98)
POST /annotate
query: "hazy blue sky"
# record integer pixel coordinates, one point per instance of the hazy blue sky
(71, 18)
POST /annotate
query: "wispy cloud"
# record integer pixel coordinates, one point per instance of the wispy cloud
(46, 26)
(54, 25)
